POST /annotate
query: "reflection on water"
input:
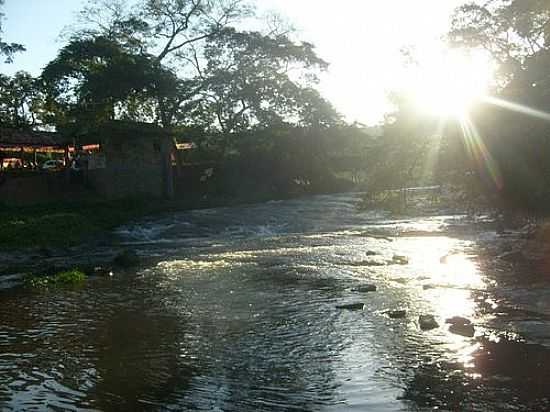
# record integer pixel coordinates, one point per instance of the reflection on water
(243, 317)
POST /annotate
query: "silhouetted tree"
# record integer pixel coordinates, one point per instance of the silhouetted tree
(8, 49)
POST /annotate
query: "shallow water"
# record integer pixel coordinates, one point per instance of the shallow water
(236, 311)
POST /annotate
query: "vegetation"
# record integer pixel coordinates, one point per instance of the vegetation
(67, 224)
(65, 278)
(8, 49)
(497, 153)
(249, 101)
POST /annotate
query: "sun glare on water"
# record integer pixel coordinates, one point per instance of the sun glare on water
(448, 83)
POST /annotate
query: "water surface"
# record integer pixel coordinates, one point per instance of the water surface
(236, 311)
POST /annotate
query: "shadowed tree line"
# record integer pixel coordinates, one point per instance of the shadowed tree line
(243, 89)
(497, 154)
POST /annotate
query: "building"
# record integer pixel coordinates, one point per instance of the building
(113, 160)
(134, 159)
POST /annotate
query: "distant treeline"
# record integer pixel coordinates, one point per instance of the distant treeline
(248, 100)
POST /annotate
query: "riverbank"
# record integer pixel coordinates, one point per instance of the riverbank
(44, 239)
(67, 224)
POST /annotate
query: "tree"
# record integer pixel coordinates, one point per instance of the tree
(165, 29)
(515, 128)
(510, 30)
(21, 100)
(8, 49)
(410, 141)
(180, 63)
(96, 79)
(254, 80)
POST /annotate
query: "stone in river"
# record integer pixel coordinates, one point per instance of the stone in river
(397, 314)
(467, 330)
(365, 288)
(427, 322)
(371, 253)
(400, 260)
(458, 320)
(352, 306)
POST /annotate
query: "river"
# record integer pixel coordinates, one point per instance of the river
(235, 309)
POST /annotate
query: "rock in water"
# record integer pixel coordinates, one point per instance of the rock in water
(463, 330)
(397, 314)
(371, 253)
(365, 288)
(400, 260)
(352, 306)
(458, 320)
(427, 322)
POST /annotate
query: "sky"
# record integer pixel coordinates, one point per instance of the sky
(361, 39)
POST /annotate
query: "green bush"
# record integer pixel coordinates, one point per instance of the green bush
(69, 277)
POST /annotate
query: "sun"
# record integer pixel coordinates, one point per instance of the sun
(448, 83)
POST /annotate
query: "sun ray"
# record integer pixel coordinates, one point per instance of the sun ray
(516, 107)
(480, 153)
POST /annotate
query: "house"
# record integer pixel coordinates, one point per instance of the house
(113, 160)
(20, 141)
(134, 159)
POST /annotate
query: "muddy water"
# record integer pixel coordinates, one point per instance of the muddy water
(236, 311)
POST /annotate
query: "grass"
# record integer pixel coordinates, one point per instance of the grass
(65, 278)
(68, 224)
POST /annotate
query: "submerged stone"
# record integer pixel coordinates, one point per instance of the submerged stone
(397, 314)
(371, 253)
(400, 260)
(458, 320)
(352, 306)
(365, 288)
(427, 322)
(467, 330)
(370, 262)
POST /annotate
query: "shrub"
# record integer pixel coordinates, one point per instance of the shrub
(69, 277)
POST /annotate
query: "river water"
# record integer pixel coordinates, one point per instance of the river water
(235, 309)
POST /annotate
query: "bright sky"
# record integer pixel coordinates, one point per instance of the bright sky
(361, 39)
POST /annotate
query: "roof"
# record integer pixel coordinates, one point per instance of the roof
(21, 137)
(114, 129)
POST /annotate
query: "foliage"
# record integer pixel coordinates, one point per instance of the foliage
(94, 80)
(8, 49)
(69, 277)
(182, 63)
(67, 224)
(410, 140)
(21, 100)
(515, 131)
(249, 83)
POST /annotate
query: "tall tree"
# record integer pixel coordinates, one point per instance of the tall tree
(258, 80)
(180, 62)
(21, 100)
(8, 49)
(97, 79)
(165, 29)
